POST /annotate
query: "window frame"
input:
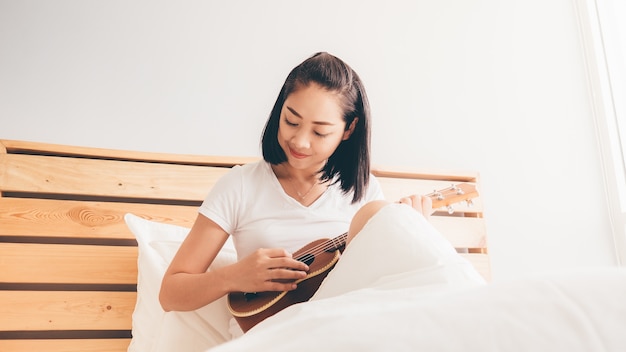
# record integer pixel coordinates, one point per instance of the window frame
(602, 73)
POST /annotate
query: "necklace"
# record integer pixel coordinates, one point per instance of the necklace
(302, 196)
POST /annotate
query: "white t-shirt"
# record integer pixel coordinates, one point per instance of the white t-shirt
(250, 204)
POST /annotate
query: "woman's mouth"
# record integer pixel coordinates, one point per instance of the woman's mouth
(296, 154)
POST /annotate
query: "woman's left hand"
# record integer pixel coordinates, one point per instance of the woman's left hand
(421, 204)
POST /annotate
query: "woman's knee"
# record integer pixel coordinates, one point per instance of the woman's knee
(363, 215)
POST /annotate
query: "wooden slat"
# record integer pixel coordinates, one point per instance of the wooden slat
(81, 219)
(462, 232)
(106, 178)
(78, 264)
(66, 345)
(13, 146)
(398, 172)
(66, 310)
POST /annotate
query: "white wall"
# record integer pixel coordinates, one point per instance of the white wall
(494, 86)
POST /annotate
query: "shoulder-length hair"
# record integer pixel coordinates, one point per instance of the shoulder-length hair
(349, 165)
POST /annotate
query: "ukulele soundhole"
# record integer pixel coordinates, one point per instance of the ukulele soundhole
(250, 296)
(307, 259)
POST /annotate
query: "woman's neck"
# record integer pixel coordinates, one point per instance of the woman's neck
(303, 176)
(302, 185)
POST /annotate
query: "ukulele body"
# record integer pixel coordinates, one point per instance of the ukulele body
(250, 309)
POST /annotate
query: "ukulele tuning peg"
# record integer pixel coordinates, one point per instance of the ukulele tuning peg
(457, 190)
(450, 209)
(438, 195)
(470, 203)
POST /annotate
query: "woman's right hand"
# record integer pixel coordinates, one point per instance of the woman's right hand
(267, 269)
(187, 285)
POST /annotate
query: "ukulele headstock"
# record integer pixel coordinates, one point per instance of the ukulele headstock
(445, 198)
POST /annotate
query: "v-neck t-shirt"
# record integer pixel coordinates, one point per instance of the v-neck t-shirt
(251, 205)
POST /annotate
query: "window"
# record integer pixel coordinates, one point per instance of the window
(603, 29)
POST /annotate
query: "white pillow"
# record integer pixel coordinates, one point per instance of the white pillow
(152, 328)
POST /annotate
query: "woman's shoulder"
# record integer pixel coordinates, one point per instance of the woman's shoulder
(240, 178)
(260, 168)
(254, 172)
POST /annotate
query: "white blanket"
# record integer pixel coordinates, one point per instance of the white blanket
(574, 312)
(401, 287)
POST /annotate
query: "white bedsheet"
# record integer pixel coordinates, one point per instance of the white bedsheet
(569, 312)
(401, 287)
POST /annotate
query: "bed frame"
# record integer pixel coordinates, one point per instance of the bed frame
(68, 263)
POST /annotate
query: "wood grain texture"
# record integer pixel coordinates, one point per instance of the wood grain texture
(106, 178)
(57, 263)
(26, 147)
(65, 345)
(66, 310)
(410, 173)
(26, 217)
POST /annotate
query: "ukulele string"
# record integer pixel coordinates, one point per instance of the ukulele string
(454, 194)
(324, 247)
(442, 191)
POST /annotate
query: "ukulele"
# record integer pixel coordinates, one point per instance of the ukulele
(321, 256)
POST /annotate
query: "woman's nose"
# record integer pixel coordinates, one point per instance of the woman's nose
(301, 139)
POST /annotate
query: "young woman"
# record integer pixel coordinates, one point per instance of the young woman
(314, 177)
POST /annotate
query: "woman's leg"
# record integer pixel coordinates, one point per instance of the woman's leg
(362, 216)
(421, 204)
(395, 246)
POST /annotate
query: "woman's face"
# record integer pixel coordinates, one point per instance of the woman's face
(311, 127)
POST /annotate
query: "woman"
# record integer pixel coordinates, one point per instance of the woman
(314, 177)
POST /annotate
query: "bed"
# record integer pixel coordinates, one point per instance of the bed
(583, 311)
(86, 234)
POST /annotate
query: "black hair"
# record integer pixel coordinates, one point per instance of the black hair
(350, 163)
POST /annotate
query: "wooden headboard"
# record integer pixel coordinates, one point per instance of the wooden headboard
(68, 263)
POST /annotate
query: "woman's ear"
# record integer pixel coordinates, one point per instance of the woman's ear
(350, 130)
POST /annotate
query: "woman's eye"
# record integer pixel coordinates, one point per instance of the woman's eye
(322, 135)
(289, 123)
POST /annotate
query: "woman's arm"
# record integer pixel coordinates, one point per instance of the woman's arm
(187, 285)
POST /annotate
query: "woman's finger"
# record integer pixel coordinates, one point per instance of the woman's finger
(421, 204)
